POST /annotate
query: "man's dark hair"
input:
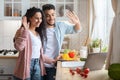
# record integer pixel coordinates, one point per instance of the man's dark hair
(48, 7)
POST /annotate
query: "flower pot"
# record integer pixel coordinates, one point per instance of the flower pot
(96, 50)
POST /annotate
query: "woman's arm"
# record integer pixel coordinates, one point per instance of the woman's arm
(20, 39)
(21, 35)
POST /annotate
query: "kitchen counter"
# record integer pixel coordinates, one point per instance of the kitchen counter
(8, 57)
(64, 74)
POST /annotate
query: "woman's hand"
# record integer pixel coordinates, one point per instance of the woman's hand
(25, 24)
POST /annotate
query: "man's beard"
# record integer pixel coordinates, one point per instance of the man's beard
(50, 24)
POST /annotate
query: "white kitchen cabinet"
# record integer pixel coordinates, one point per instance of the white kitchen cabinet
(61, 6)
(7, 66)
(14, 9)
(10, 9)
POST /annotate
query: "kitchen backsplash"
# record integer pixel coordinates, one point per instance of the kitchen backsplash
(7, 32)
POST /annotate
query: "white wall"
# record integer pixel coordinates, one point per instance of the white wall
(7, 32)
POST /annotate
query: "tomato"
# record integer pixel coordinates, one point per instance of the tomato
(86, 70)
(78, 70)
(72, 72)
(82, 74)
(85, 75)
(71, 54)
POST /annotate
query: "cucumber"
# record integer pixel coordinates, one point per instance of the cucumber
(114, 71)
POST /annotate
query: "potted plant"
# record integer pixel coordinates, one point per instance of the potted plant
(95, 45)
(104, 48)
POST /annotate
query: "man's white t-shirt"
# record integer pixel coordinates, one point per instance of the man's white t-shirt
(51, 45)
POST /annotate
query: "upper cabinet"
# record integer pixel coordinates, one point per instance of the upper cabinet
(15, 9)
(12, 8)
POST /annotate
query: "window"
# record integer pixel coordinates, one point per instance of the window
(101, 17)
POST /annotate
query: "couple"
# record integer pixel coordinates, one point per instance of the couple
(39, 41)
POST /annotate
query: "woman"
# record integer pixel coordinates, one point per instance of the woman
(28, 41)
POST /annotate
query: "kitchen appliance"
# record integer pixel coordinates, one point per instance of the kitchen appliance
(8, 52)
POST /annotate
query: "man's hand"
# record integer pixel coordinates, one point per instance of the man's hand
(74, 20)
(73, 17)
(57, 58)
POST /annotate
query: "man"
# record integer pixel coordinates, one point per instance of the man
(55, 35)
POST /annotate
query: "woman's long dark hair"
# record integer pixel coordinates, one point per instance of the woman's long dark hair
(42, 27)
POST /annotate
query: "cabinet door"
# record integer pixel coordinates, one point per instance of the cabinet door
(6, 78)
(62, 6)
(1, 9)
(38, 3)
(12, 8)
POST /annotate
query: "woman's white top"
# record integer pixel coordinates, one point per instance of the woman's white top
(36, 45)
